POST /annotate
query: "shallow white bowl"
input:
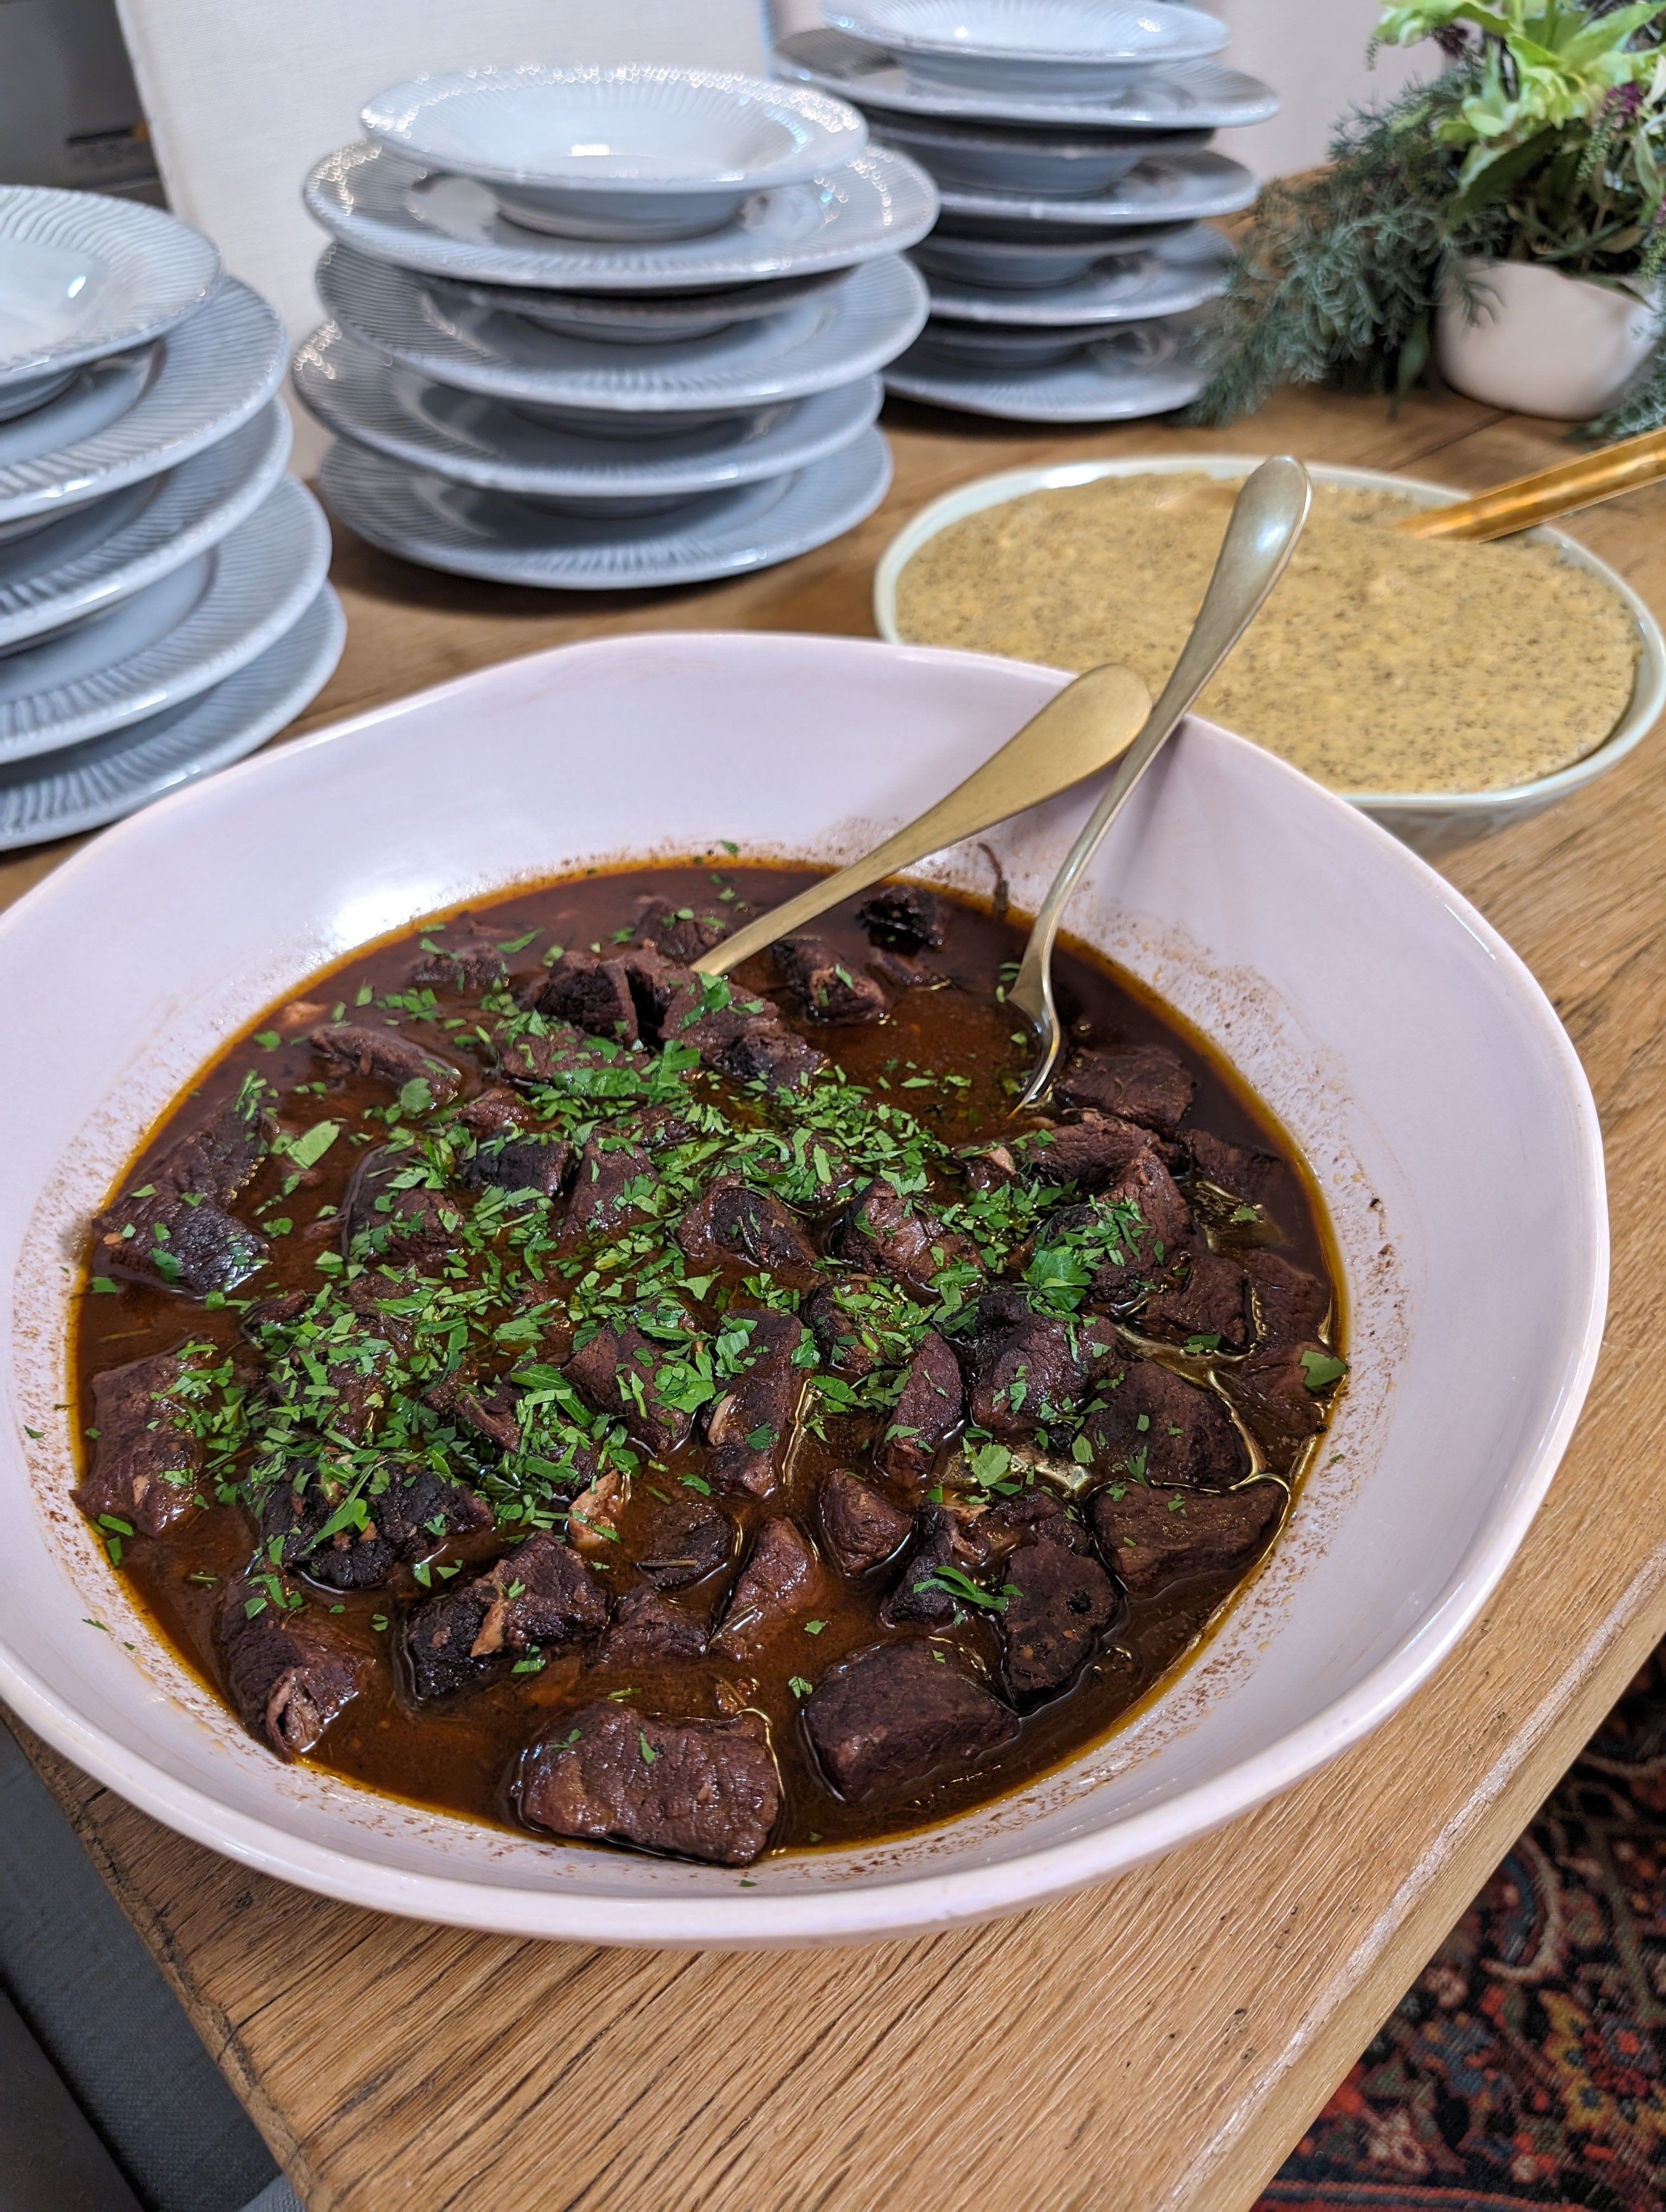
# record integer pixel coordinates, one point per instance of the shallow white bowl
(82, 276)
(636, 150)
(1432, 821)
(1436, 1096)
(1074, 48)
(988, 158)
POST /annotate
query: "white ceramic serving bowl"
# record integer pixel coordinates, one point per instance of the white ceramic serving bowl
(1405, 1047)
(1070, 49)
(633, 151)
(986, 157)
(1432, 822)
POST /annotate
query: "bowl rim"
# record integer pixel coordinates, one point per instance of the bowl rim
(865, 19)
(1648, 686)
(826, 132)
(915, 1903)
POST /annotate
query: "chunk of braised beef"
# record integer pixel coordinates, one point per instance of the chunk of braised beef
(685, 1545)
(736, 1036)
(1157, 1427)
(649, 1631)
(516, 1163)
(611, 1182)
(1249, 1177)
(1037, 1515)
(493, 1411)
(829, 990)
(783, 1585)
(699, 1789)
(1291, 1306)
(888, 1234)
(907, 916)
(176, 1243)
(540, 1597)
(942, 1540)
(1058, 1602)
(289, 1672)
(380, 1221)
(734, 1225)
(898, 1715)
(458, 954)
(678, 932)
(554, 1052)
(493, 1111)
(403, 1510)
(1093, 1151)
(772, 1055)
(1149, 1084)
(860, 1527)
(1273, 1391)
(855, 1325)
(362, 1049)
(215, 1159)
(145, 1457)
(1150, 1536)
(1207, 1297)
(616, 1372)
(930, 1409)
(1030, 1370)
(592, 993)
(749, 1426)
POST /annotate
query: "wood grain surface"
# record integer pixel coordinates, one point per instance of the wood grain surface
(1160, 2042)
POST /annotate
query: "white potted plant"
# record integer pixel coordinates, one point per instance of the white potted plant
(1500, 227)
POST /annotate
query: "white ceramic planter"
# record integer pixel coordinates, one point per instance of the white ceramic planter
(1540, 343)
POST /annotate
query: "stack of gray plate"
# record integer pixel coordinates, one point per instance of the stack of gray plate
(163, 602)
(1069, 141)
(600, 327)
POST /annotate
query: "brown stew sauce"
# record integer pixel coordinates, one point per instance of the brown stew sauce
(457, 1756)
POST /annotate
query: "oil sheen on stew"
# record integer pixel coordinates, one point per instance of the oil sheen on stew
(536, 1381)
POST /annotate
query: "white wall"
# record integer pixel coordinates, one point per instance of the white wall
(245, 95)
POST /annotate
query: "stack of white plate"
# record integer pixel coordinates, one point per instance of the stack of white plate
(162, 602)
(1069, 141)
(598, 327)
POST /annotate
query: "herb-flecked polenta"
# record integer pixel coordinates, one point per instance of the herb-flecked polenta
(1380, 663)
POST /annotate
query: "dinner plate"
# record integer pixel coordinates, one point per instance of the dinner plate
(75, 564)
(1104, 377)
(638, 318)
(133, 415)
(634, 149)
(1129, 289)
(203, 621)
(1183, 96)
(82, 276)
(1449, 1129)
(395, 210)
(484, 533)
(830, 338)
(1167, 188)
(103, 778)
(989, 158)
(473, 441)
(1025, 257)
(1045, 46)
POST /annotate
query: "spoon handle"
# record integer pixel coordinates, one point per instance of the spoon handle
(1087, 724)
(1546, 493)
(1260, 535)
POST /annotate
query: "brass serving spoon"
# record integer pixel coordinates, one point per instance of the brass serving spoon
(1079, 731)
(1265, 523)
(1546, 493)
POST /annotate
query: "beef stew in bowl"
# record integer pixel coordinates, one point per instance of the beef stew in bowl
(528, 1378)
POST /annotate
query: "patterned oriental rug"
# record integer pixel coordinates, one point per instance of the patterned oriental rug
(1527, 2065)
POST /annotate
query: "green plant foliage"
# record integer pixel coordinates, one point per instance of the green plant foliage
(1541, 141)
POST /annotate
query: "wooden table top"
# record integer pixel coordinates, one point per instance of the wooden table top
(1158, 2043)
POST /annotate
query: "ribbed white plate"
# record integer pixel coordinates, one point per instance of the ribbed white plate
(1167, 188)
(1186, 96)
(483, 533)
(1113, 379)
(82, 276)
(633, 127)
(103, 778)
(637, 317)
(1104, 34)
(1115, 291)
(134, 416)
(447, 226)
(472, 440)
(827, 339)
(989, 157)
(76, 563)
(203, 623)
